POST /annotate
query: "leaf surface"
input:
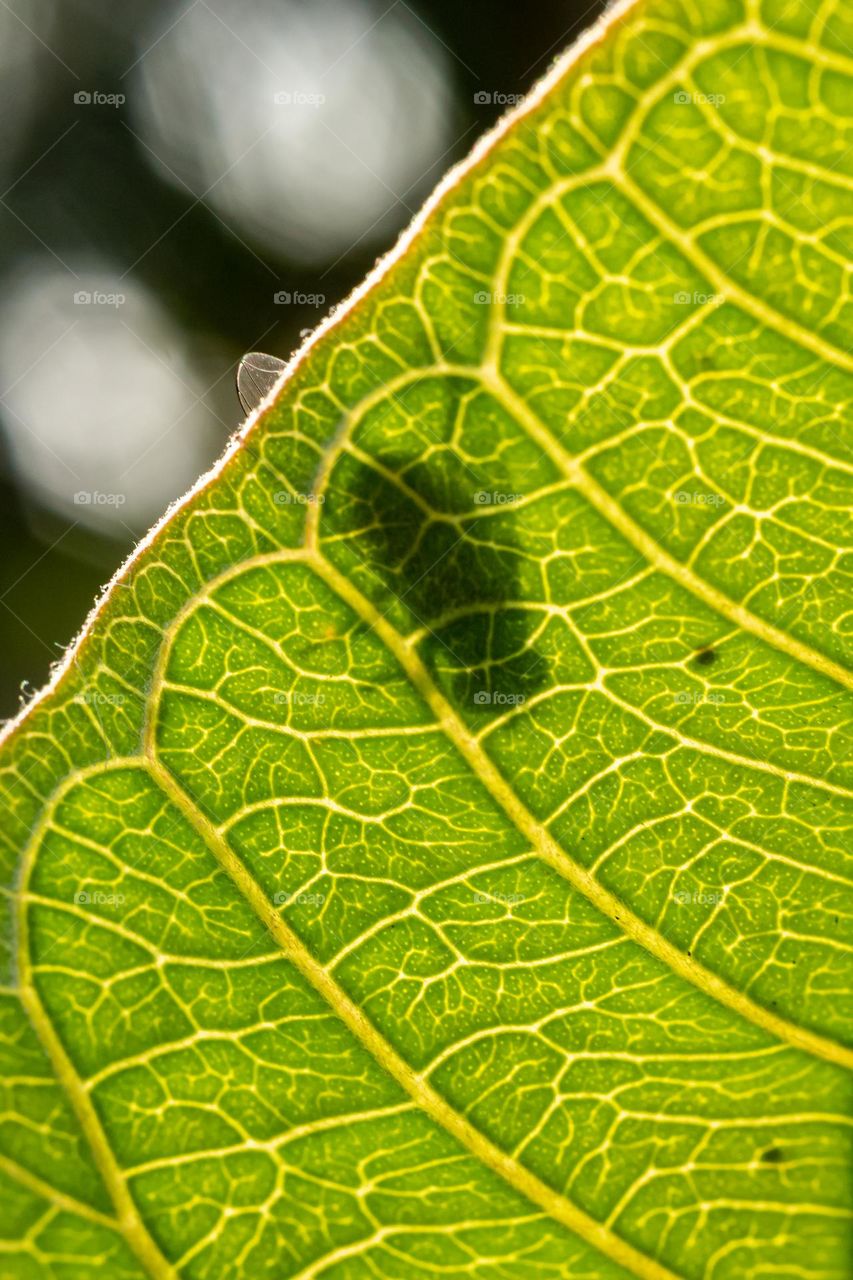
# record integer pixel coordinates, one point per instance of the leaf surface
(433, 858)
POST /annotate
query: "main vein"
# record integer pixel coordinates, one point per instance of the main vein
(700, 588)
(128, 1218)
(544, 843)
(418, 1088)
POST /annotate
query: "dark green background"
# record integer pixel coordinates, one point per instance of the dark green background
(94, 190)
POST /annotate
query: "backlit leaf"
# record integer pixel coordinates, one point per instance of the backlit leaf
(432, 860)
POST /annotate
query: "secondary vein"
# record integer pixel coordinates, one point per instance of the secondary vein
(544, 843)
(415, 1085)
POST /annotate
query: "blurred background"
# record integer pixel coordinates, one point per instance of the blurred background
(182, 181)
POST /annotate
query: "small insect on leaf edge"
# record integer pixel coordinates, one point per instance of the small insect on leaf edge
(257, 374)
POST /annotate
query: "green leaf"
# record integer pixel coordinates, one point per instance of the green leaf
(432, 858)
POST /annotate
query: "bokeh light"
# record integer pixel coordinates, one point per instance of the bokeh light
(98, 388)
(25, 66)
(303, 124)
(143, 152)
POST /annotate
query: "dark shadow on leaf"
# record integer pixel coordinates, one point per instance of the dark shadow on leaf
(433, 547)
